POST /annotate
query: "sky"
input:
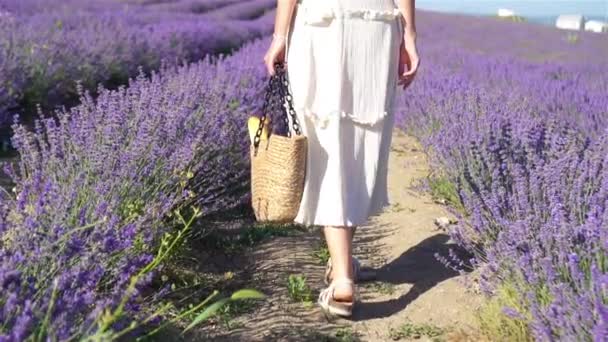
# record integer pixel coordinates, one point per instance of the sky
(533, 9)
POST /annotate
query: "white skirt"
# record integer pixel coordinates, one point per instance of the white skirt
(342, 63)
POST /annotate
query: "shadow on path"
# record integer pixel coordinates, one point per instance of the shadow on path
(417, 266)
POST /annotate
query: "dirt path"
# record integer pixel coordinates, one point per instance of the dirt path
(411, 286)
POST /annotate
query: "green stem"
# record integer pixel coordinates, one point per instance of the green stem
(75, 230)
(148, 319)
(49, 310)
(161, 255)
(162, 326)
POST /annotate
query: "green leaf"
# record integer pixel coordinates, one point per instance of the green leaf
(208, 312)
(247, 294)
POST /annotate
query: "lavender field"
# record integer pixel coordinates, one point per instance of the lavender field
(513, 117)
(45, 50)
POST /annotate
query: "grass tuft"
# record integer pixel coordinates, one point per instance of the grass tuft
(298, 289)
(346, 335)
(321, 253)
(497, 325)
(410, 330)
(443, 189)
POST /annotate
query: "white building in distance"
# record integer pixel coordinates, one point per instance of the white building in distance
(570, 22)
(596, 26)
(504, 12)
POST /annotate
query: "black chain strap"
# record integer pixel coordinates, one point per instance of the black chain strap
(286, 94)
(278, 84)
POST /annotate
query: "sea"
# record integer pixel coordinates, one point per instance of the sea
(537, 11)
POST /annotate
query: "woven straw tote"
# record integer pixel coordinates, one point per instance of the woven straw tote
(278, 163)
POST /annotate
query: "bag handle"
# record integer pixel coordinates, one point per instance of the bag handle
(278, 83)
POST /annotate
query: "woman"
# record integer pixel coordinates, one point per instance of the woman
(344, 60)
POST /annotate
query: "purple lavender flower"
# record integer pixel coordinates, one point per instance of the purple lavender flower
(525, 143)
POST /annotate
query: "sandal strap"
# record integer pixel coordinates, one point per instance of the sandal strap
(344, 282)
(327, 293)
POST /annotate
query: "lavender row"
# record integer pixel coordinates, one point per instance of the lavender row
(96, 185)
(244, 10)
(525, 144)
(32, 7)
(44, 55)
(191, 6)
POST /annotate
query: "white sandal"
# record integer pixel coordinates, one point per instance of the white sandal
(337, 307)
(356, 271)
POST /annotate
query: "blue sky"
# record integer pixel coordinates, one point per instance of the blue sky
(528, 8)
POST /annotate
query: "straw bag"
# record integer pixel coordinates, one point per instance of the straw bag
(278, 163)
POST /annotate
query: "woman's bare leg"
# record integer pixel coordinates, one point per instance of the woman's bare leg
(339, 243)
(352, 230)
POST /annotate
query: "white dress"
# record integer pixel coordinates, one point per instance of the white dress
(342, 63)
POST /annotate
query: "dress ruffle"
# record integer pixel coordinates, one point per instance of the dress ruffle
(320, 16)
(323, 120)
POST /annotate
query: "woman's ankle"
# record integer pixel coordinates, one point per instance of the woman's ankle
(352, 275)
(343, 289)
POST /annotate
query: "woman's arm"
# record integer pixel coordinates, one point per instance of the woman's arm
(408, 8)
(282, 18)
(282, 21)
(408, 55)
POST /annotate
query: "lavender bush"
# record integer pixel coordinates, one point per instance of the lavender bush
(524, 143)
(96, 187)
(539, 205)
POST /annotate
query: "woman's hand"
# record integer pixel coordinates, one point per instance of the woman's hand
(409, 61)
(275, 53)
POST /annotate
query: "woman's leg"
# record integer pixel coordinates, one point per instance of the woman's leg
(339, 243)
(351, 232)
